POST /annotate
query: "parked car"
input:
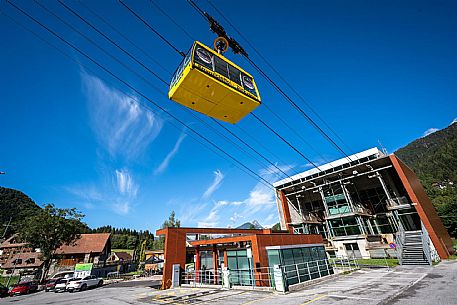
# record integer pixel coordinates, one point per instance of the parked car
(84, 283)
(63, 274)
(3, 291)
(50, 284)
(61, 284)
(23, 288)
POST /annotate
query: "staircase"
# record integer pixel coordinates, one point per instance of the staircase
(412, 252)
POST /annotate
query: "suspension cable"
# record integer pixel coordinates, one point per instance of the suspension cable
(131, 87)
(155, 31)
(92, 11)
(284, 94)
(279, 74)
(152, 29)
(140, 103)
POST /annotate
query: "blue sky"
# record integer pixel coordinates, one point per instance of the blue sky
(376, 71)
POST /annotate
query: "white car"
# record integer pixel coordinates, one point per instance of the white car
(84, 283)
(61, 284)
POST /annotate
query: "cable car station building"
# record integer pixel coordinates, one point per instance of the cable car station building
(368, 205)
(250, 254)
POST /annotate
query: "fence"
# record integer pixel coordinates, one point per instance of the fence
(264, 276)
(202, 277)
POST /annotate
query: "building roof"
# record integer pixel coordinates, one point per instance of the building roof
(352, 159)
(87, 243)
(28, 260)
(124, 256)
(11, 243)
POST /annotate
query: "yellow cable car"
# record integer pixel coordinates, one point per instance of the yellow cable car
(209, 83)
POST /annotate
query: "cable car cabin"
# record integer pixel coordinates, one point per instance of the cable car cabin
(209, 83)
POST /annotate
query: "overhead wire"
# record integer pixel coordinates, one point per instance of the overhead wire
(111, 41)
(131, 87)
(150, 84)
(283, 93)
(168, 42)
(152, 29)
(279, 75)
(171, 19)
(93, 12)
(140, 103)
(214, 120)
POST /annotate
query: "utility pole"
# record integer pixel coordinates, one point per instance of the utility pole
(6, 227)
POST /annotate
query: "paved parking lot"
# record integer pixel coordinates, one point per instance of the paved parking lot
(400, 286)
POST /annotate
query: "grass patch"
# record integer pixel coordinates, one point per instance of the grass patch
(4, 280)
(129, 251)
(391, 262)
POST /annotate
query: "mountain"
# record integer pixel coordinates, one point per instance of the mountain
(434, 159)
(250, 225)
(15, 205)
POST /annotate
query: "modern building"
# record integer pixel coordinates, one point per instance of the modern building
(366, 205)
(249, 254)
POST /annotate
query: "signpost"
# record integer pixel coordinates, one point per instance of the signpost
(83, 270)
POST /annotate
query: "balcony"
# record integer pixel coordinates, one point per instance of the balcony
(398, 203)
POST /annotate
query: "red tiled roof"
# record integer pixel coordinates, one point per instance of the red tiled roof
(87, 243)
(123, 256)
(26, 258)
(11, 243)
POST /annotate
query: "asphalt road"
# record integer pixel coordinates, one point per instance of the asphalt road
(400, 286)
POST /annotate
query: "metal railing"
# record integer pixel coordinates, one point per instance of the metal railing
(426, 244)
(260, 277)
(302, 272)
(198, 278)
(400, 241)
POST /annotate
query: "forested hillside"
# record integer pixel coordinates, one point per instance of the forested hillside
(14, 205)
(434, 159)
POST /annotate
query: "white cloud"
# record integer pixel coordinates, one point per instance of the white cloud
(117, 193)
(122, 208)
(218, 177)
(429, 131)
(260, 205)
(453, 121)
(164, 164)
(125, 184)
(122, 127)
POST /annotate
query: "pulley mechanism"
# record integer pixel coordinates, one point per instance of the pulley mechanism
(220, 45)
(220, 31)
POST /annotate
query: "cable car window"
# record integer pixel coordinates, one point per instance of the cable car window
(203, 57)
(220, 66)
(235, 75)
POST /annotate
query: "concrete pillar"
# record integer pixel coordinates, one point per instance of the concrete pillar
(215, 263)
(197, 263)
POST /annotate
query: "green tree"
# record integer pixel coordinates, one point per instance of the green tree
(49, 229)
(276, 227)
(172, 221)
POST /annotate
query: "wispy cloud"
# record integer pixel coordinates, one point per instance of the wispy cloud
(117, 193)
(218, 177)
(164, 164)
(122, 127)
(260, 204)
(125, 183)
(429, 131)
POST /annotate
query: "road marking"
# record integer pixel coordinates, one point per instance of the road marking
(349, 297)
(314, 300)
(253, 301)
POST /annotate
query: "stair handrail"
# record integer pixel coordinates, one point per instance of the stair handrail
(400, 240)
(426, 244)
